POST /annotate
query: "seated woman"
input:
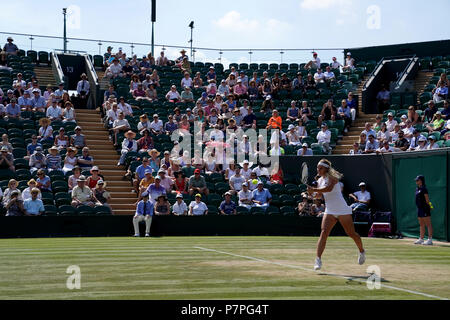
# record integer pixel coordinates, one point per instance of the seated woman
(162, 206)
(139, 93)
(61, 140)
(266, 88)
(231, 81)
(413, 116)
(268, 106)
(45, 131)
(181, 183)
(253, 92)
(68, 112)
(26, 194)
(134, 83)
(173, 95)
(12, 186)
(145, 143)
(72, 181)
(43, 181)
(377, 125)
(155, 78)
(71, 159)
(198, 81)
(277, 177)
(101, 195)
(92, 180)
(383, 134)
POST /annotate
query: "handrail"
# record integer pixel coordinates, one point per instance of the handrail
(372, 74)
(405, 72)
(57, 67)
(91, 67)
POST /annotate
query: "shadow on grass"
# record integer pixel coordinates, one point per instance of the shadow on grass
(351, 277)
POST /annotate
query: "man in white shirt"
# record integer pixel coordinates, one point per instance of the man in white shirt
(120, 124)
(54, 112)
(162, 61)
(83, 89)
(319, 76)
(59, 93)
(20, 81)
(386, 148)
(186, 81)
(180, 207)
(246, 171)
(112, 114)
(173, 94)
(336, 64)
(236, 181)
(408, 130)
(156, 126)
(125, 107)
(368, 130)
(245, 197)
(314, 63)
(361, 198)
(216, 134)
(114, 70)
(329, 75)
(391, 122)
(324, 138)
(261, 171)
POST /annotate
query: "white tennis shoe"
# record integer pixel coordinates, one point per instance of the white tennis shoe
(429, 242)
(317, 264)
(147, 235)
(420, 241)
(362, 257)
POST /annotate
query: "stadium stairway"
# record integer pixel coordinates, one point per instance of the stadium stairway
(345, 145)
(45, 76)
(421, 81)
(106, 158)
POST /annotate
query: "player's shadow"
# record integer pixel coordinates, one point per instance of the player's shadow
(351, 278)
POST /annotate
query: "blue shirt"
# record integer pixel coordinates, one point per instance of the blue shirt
(83, 165)
(33, 206)
(144, 208)
(38, 102)
(14, 111)
(345, 111)
(24, 101)
(107, 94)
(228, 208)
(262, 196)
(351, 104)
(32, 147)
(141, 171)
(154, 192)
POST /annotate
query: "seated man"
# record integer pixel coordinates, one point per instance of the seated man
(324, 138)
(236, 181)
(82, 194)
(261, 197)
(197, 184)
(319, 76)
(6, 159)
(144, 212)
(361, 198)
(227, 207)
(156, 126)
(314, 63)
(441, 93)
(120, 125)
(371, 145)
(179, 208)
(383, 99)
(78, 140)
(114, 70)
(401, 143)
(329, 75)
(304, 151)
(154, 190)
(385, 148)
(34, 206)
(245, 197)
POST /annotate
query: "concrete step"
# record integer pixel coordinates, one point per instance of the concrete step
(121, 212)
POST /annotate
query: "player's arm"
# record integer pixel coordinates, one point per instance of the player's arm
(331, 182)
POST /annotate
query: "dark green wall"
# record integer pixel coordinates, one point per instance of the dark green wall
(421, 49)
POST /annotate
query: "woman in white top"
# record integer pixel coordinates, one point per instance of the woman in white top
(383, 134)
(197, 207)
(26, 194)
(68, 112)
(70, 161)
(336, 210)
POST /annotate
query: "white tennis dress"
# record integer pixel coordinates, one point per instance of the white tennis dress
(334, 201)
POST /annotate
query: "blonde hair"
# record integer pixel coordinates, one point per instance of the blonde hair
(331, 171)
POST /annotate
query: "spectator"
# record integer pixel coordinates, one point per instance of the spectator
(134, 83)
(432, 145)
(383, 99)
(403, 118)
(329, 76)
(293, 138)
(336, 64)
(9, 49)
(143, 123)
(114, 70)
(12, 186)
(198, 81)
(173, 95)
(408, 130)
(125, 107)
(266, 89)
(318, 208)
(422, 144)
(414, 141)
(145, 182)
(187, 95)
(223, 89)
(139, 93)
(166, 182)
(162, 206)
(170, 126)
(68, 113)
(236, 181)
(92, 180)
(128, 144)
(428, 114)
(154, 190)
(384, 148)
(43, 181)
(441, 93)
(351, 102)
(394, 134)
(85, 161)
(61, 140)
(227, 207)
(245, 197)
(304, 151)
(5, 143)
(249, 121)
(372, 145)
(70, 160)
(162, 61)
(413, 116)
(314, 63)
(305, 111)
(277, 176)
(107, 56)
(186, 81)
(13, 109)
(356, 149)
(368, 130)
(60, 91)
(197, 207)
(324, 138)
(349, 63)
(45, 131)
(293, 112)
(26, 194)
(83, 195)
(145, 143)
(345, 113)
(383, 134)
(401, 143)
(25, 102)
(34, 206)
(211, 89)
(304, 208)
(83, 90)
(446, 112)
(240, 90)
(180, 207)
(6, 159)
(391, 122)
(37, 159)
(361, 199)
(319, 76)
(437, 123)
(156, 126)
(53, 160)
(154, 159)
(14, 204)
(275, 122)
(144, 212)
(197, 184)
(261, 197)
(101, 194)
(328, 112)
(185, 65)
(120, 125)
(73, 179)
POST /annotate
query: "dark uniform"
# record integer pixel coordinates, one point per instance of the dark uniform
(423, 208)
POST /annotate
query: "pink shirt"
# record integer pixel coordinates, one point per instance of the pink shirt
(240, 89)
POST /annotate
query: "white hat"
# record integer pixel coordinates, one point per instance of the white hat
(362, 184)
(269, 97)
(404, 116)
(349, 54)
(291, 126)
(390, 114)
(305, 145)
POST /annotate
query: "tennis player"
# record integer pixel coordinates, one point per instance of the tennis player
(336, 209)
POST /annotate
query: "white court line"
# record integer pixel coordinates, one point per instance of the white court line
(326, 273)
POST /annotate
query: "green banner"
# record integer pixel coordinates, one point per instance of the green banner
(435, 170)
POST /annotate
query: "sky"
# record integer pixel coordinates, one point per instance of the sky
(231, 24)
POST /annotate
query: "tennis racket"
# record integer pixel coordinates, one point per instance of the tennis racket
(305, 174)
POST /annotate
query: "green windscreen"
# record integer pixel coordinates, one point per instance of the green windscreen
(435, 170)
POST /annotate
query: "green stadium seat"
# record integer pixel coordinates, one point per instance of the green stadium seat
(257, 211)
(287, 200)
(67, 210)
(213, 210)
(242, 211)
(287, 211)
(50, 210)
(33, 55)
(85, 210)
(43, 57)
(272, 210)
